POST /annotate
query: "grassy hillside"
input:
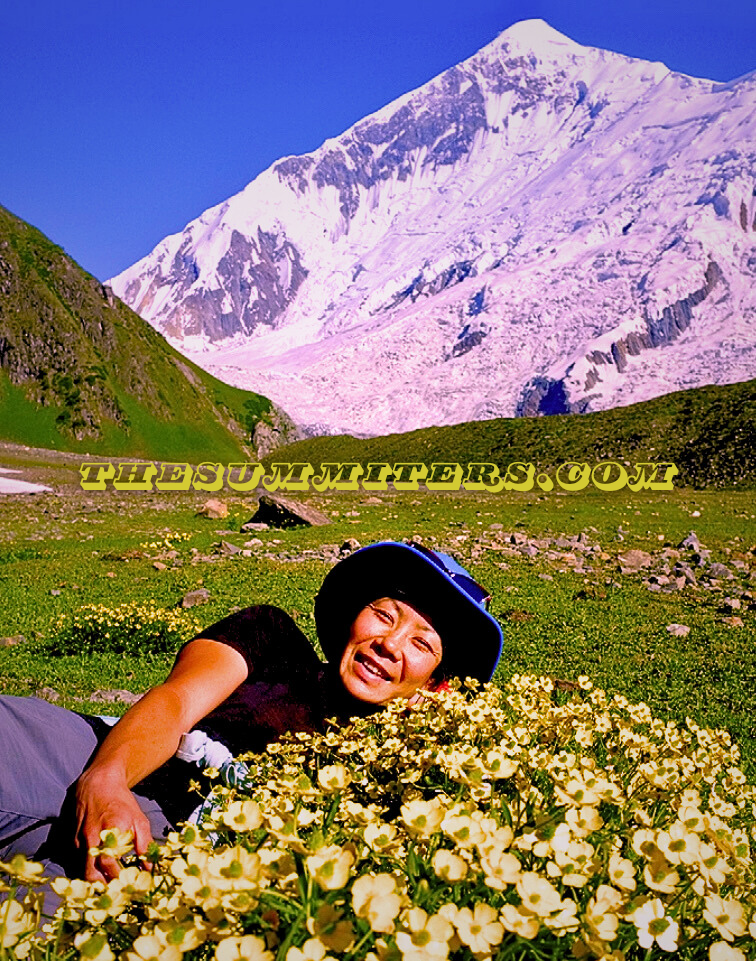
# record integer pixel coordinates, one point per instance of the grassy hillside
(80, 371)
(709, 433)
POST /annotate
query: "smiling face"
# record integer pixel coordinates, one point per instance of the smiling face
(392, 651)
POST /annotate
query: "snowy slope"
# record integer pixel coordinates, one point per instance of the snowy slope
(545, 227)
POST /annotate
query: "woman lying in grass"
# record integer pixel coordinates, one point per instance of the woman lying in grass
(393, 619)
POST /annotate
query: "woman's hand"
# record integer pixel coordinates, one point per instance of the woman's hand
(204, 675)
(104, 801)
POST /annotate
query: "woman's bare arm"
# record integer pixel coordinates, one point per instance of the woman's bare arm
(205, 674)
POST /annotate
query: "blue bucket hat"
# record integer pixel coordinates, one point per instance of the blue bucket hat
(433, 582)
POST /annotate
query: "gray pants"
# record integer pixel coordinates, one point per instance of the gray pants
(43, 750)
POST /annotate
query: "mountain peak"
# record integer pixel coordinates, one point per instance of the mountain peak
(535, 36)
(518, 235)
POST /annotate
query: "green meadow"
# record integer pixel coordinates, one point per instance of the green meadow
(564, 612)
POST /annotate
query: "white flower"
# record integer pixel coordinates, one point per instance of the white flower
(654, 925)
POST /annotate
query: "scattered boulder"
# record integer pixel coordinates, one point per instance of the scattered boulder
(254, 526)
(349, 545)
(132, 554)
(226, 547)
(192, 598)
(48, 694)
(12, 640)
(214, 509)
(690, 543)
(682, 570)
(519, 616)
(634, 560)
(277, 511)
(114, 696)
(678, 630)
(721, 572)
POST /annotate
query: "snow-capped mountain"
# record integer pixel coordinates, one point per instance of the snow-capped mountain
(545, 227)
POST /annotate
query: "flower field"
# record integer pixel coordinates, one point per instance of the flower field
(538, 820)
(124, 628)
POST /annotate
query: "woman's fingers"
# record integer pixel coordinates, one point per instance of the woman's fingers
(102, 808)
(142, 835)
(100, 868)
(102, 865)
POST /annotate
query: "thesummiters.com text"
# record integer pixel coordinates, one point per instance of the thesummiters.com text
(491, 478)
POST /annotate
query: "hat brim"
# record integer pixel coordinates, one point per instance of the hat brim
(471, 637)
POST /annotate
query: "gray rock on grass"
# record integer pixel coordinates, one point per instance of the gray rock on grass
(214, 509)
(192, 598)
(721, 572)
(634, 560)
(114, 696)
(226, 547)
(12, 640)
(690, 543)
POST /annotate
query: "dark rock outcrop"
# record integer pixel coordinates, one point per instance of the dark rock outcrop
(275, 429)
(260, 278)
(542, 395)
(421, 287)
(277, 511)
(444, 124)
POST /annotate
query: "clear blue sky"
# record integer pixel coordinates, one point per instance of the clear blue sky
(123, 119)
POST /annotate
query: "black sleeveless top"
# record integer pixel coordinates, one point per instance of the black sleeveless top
(288, 689)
